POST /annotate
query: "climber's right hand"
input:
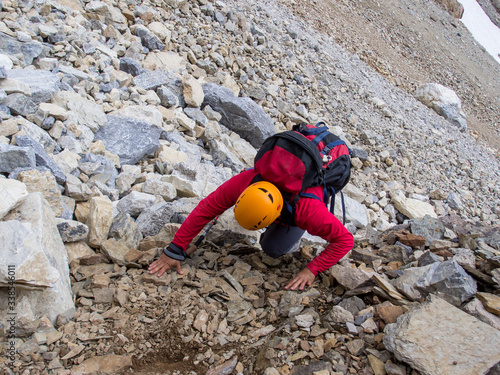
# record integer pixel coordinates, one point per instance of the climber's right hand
(164, 263)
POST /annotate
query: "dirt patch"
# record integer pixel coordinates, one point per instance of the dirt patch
(411, 43)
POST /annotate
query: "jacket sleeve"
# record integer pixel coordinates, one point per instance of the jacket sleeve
(223, 198)
(313, 216)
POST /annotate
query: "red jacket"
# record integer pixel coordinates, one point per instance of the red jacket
(310, 214)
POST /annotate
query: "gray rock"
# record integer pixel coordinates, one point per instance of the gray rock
(350, 278)
(223, 155)
(290, 304)
(20, 104)
(72, 231)
(353, 304)
(407, 282)
(495, 370)
(41, 136)
(130, 66)
(183, 207)
(237, 309)
(461, 339)
(42, 158)
(444, 101)
(149, 40)
(95, 165)
(70, 143)
(208, 66)
(359, 153)
(135, 203)
(14, 157)
(338, 316)
(355, 212)
(242, 115)
(152, 219)
(428, 258)
(70, 72)
(316, 367)
(151, 80)
(42, 83)
(125, 230)
(450, 281)
(431, 228)
(29, 51)
(454, 201)
(477, 309)
(129, 138)
(256, 93)
(167, 97)
(178, 138)
(197, 115)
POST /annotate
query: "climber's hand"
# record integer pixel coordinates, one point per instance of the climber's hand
(164, 263)
(301, 280)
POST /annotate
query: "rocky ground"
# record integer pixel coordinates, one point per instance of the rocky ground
(411, 43)
(104, 109)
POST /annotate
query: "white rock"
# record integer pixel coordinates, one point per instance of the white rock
(99, 220)
(355, 212)
(193, 92)
(412, 208)
(12, 192)
(67, 161)
(165, 189)
(167, 154)
(443, 101)
(135, 202)
(82, 111)
(160, 30)
(44, 256)
(6, 62)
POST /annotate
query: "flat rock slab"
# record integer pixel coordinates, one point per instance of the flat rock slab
(129, 138)
(437, 338)
(107, 364)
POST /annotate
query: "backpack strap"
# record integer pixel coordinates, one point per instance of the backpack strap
(320, 131)
(328, 192)
(310, 195)
(331, 145)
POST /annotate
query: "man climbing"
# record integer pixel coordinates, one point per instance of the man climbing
(259, 205)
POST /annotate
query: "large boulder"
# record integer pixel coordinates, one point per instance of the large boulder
(129, 138)
(34, 251)
(241, 115)
(436, 338)
(42, 83)
(444, 102)
(449, 280)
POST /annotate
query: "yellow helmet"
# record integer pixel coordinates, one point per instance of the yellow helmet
(258, 206)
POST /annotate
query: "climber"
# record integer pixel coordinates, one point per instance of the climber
(257, 205)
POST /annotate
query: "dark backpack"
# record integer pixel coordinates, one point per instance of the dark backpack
(307, 156)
